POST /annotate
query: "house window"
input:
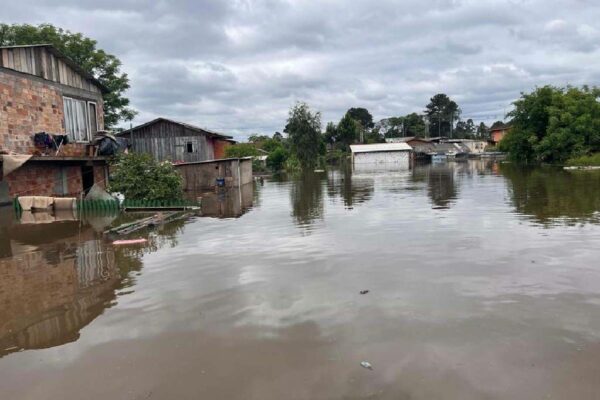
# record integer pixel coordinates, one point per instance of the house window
(81, 122)
(93, 117)
(190, 147)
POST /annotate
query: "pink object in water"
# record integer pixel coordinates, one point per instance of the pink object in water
(129, 241)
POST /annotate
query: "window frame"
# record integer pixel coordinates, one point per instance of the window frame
(86, 117)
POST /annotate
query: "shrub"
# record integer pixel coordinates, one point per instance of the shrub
(277, 159)
(241, 150)
(585, 161)
(140, 177)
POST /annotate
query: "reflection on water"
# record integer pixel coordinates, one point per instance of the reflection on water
(228, 203)
(56, 276)
(549, 195)
(481, 286)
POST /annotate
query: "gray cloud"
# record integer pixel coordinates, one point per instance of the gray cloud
(238, 65)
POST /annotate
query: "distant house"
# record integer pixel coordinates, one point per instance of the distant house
(45, 93)
(168, 140)
(498, 133)
(473, 146)
(383, 154)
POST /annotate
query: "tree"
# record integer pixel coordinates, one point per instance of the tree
(441, 112)
(497, 124)
(241, 150)
(82, 50)
(464, 129)
(483, 131)
(414, 125)
(139, 177)
(330, 135)
(362, 115)
(277, 159)
(304, 132)
(554, 124)
(348, 131)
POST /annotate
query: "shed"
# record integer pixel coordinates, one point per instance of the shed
(168, 140)
(396, 154)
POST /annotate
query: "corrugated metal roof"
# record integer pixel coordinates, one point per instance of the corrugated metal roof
(369, 148)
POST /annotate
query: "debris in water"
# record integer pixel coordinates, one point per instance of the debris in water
(364, 291)
(366, 364)
(129, 241)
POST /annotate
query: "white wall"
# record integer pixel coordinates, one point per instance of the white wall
(399, 159)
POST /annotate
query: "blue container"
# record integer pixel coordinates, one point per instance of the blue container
(220, 182)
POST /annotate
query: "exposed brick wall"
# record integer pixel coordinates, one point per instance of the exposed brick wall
(28, 106)
(220, 146)
(44, 179)
(100, 176)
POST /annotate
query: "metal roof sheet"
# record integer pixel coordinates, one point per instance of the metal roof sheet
(369, 148)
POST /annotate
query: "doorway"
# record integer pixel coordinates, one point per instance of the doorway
(87, 178)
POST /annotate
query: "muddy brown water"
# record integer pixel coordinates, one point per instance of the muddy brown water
(483, 279)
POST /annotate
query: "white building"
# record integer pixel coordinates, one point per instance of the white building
(396, 155)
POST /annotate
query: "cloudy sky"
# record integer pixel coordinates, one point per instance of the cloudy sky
(237, 65)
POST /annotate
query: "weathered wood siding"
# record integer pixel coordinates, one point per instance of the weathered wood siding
(201, 176)
(169, 141)
(39, 61)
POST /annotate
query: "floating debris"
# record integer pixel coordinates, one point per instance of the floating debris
(129, 241)
(366, 364)
(364, 291)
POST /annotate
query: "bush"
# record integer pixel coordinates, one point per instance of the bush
(140, 177)
(277, 159)
(585, 161)
(241, 150)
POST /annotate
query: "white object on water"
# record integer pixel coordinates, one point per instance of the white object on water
(366, 364)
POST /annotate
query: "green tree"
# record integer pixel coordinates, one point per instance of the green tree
(82, 50)
(441, 112)
(483, 131)
(139, 177)
(241, 150)
(363, 116)
(554, 124)
(276, 160)
(414, 125)
(304, 132)
(330, 134)
(348, 131)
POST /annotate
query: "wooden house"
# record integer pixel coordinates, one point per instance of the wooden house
(178, 142)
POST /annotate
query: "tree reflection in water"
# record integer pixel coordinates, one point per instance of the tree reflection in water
(554, 196)
(442, 187)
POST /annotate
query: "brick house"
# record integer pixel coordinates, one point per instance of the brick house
(41, 90)
(498, 133)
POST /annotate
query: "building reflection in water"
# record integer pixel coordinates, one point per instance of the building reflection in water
(442, 187)
(351, 187)
(55, 278)
(227, 202)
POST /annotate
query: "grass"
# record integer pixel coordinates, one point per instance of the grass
(585, 161)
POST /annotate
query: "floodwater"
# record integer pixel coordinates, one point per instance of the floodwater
(483, 280)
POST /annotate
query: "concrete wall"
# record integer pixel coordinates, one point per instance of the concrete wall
(203, 175)
(400, 159)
